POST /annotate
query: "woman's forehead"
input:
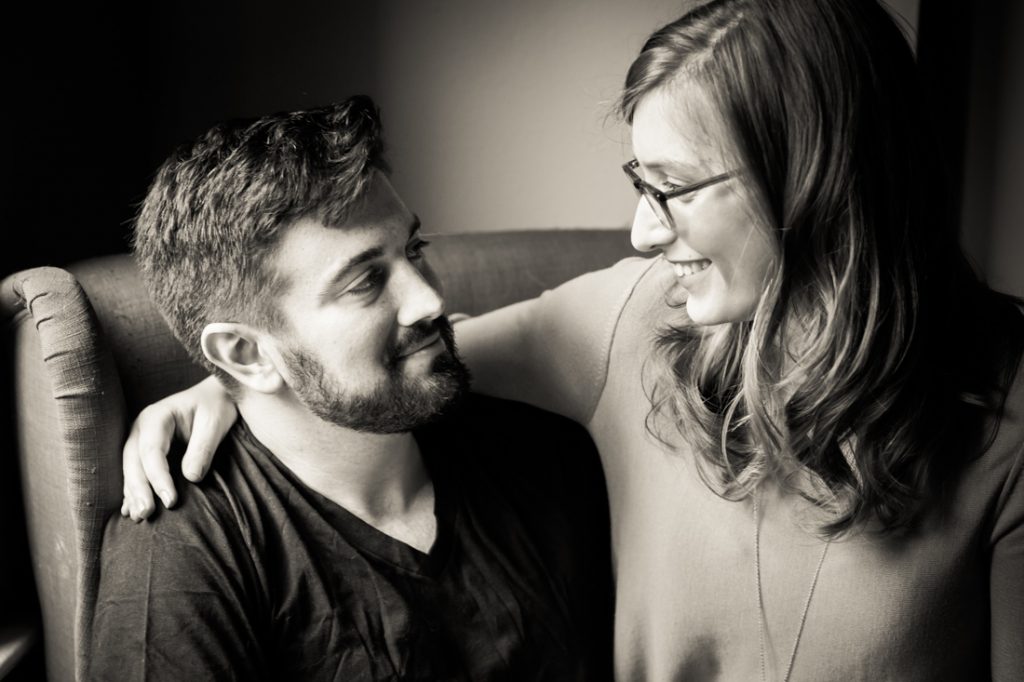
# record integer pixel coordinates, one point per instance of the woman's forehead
(677, 124)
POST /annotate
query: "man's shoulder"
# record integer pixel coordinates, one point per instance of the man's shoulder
(216, 514)
(187, 580)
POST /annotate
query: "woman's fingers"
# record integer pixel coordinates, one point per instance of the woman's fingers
(209, 427)
(138, 500)
(156, 429)
(202, 415)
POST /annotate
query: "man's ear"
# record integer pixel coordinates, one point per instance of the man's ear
(239, 350)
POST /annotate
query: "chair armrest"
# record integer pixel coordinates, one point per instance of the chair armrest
(70, 424)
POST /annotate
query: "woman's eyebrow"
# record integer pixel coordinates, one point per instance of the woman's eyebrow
(676, 168)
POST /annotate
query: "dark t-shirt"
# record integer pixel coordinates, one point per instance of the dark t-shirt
(256, 576)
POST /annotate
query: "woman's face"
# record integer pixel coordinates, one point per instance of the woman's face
(719, 255)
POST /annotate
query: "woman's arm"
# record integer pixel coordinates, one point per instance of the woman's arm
(503, 350)
(550, 352)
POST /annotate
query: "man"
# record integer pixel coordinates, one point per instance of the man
(342, 534)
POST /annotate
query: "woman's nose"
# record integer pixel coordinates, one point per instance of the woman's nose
(648, 232)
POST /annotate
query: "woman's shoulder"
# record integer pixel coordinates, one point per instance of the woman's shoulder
(634, 288)
(581, 320)
(648, 300)
(586, 312)
(609, 289)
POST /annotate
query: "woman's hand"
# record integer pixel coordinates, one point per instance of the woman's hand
(202, 415)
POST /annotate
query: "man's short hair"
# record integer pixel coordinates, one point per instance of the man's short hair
(215, 211)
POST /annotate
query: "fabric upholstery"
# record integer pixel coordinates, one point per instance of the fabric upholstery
(69, 420)
(90, 349)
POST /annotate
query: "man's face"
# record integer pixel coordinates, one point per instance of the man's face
(368, 347)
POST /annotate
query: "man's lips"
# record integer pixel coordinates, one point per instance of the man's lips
(422, 345)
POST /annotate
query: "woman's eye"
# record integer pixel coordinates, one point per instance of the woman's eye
(415, 250)
(369, 282)
(686, 197)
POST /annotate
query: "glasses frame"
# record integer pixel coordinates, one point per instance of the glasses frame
(658, 199)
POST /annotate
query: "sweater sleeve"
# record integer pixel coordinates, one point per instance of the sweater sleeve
(1007, 578)
(552, 351)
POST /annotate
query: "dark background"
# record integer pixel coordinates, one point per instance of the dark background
(102, 94)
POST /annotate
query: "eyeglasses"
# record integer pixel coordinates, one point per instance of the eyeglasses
(658, 199)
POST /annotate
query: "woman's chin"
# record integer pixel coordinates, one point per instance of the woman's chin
(700, 316)
(706, 311)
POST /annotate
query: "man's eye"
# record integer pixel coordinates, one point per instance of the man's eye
(415, 250)
(667, 186)
(369, 282)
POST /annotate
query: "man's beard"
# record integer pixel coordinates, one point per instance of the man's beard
(400, 403)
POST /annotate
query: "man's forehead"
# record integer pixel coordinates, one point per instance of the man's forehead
(379, 204)
(311, 246)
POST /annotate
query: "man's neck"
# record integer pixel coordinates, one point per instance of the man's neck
(380, 478)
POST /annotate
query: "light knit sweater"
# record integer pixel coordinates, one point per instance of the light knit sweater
(944, 603)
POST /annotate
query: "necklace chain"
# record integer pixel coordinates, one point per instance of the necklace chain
(760, 596)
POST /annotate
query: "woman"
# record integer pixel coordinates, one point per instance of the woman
(807, 409)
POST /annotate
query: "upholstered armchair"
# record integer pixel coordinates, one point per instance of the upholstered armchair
(87, 349)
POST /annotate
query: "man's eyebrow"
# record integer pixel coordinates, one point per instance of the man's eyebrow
(359, 259)
(346, 270)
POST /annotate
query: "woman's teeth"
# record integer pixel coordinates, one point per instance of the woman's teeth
(690, 267)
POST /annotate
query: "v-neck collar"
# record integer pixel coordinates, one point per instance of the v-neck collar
(365, 537)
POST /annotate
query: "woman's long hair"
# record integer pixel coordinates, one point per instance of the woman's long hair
(861, 371)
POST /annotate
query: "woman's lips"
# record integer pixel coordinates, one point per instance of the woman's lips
(690, 267)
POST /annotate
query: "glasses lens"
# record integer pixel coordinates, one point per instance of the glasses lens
(659, 210)
(658, 207)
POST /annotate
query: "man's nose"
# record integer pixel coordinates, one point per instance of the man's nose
(420, 299)
(648, 232)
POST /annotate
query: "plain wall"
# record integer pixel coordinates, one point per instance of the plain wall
(507, 120)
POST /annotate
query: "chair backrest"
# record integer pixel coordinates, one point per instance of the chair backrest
(89, 350)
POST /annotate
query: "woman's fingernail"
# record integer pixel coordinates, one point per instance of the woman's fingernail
(166, 497)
